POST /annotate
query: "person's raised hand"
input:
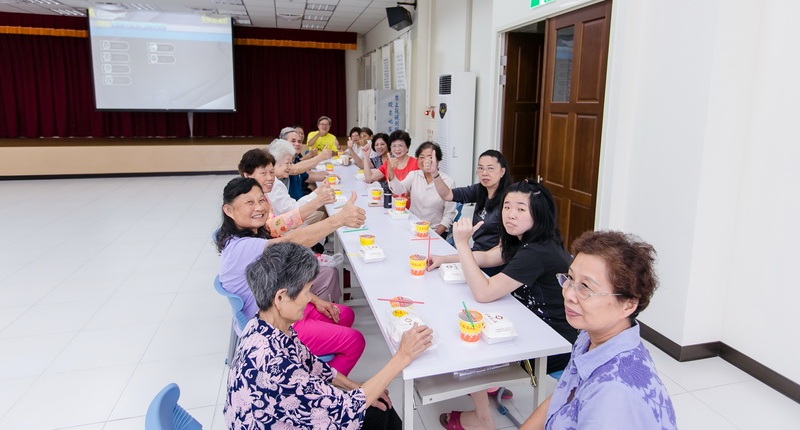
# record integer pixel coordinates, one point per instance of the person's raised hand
(430, 165)
(415, 341)
(393, 162)
(463, 230)
(326, 153)
(351, 215)
(365, 150)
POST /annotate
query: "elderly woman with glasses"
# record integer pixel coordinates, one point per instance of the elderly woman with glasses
(399, 163)
(276, 383)
(610, 381)
(494, 177)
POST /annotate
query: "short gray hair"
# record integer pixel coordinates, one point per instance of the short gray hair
(286, 130)
(280, 148)
(282, 265)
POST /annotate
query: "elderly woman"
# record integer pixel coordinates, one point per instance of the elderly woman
(242, 237)
(610, 381)
(275, 382)
(399, 163)
(533, 253)
(376, 152)
(279, 197)
(428, 205)
(494, 176)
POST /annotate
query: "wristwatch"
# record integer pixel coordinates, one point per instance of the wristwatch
(437, 175)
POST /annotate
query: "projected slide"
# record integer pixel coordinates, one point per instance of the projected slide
(148, 60)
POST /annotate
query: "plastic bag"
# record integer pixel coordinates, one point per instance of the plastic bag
(330, 260)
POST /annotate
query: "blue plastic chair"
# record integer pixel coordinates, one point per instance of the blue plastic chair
(164, 412)
(240, 320)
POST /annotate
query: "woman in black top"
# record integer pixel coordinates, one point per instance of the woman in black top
(533, 253)
(494, 177)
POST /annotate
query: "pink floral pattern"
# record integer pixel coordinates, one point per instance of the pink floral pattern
(276, 383)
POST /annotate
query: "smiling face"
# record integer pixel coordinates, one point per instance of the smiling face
(248, 211)
(426, 156)
(355, 137)
(265, 175)
(398, 148)
(601, 316)
(364, 136)
(381, 147)
(301, 132)
(294, 138)
(283, 166)
(517, 217)
(324, 127)
(490, 171)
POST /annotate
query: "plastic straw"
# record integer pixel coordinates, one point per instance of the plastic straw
(402, 301)
(469, 314)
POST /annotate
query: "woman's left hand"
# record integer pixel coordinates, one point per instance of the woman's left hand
(328, 309)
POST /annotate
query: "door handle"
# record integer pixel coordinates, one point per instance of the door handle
(539, 179)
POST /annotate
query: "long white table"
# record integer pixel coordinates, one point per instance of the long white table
(392, 277)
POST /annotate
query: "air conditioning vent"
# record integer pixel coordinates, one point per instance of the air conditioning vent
(444, 84)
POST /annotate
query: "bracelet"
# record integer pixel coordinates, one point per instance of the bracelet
(437, 175)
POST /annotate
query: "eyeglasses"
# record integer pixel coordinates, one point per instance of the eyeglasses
(488, 169)
(581, 290)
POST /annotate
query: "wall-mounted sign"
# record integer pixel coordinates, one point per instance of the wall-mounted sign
(535, 3)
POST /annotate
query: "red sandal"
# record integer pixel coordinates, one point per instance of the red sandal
(507, 394)
(454, 423)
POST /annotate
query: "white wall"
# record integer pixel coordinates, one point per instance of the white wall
(447, 36)
(763, 293)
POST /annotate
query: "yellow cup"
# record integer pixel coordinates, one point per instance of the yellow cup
(400, 204)
(366, 240)
(337, 192)
(329, 167)
(376, 194)
(470, 332)
(360, 171)
(332, 180)
(418, 264)
(422, 228)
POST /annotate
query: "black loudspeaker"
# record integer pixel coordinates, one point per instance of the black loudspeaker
(399, 17)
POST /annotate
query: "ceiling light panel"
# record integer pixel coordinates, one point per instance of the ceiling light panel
(320, 7)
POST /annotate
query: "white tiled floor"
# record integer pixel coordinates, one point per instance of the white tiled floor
(106, 296)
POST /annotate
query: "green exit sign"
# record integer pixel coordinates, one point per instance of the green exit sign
(535, 3)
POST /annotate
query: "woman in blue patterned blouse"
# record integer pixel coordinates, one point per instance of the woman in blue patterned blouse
(610, 381)
(276, 383)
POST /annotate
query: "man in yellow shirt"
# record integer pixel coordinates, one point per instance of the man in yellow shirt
(321, 139)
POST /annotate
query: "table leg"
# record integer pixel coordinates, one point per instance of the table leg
(540, 370)
(339, 249)
(408, 404)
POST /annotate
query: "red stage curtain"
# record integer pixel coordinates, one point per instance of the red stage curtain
(46, 91)
(279, 87)
(46, 87)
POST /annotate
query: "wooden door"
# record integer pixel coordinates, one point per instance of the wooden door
(522, 101)
(572, 114)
